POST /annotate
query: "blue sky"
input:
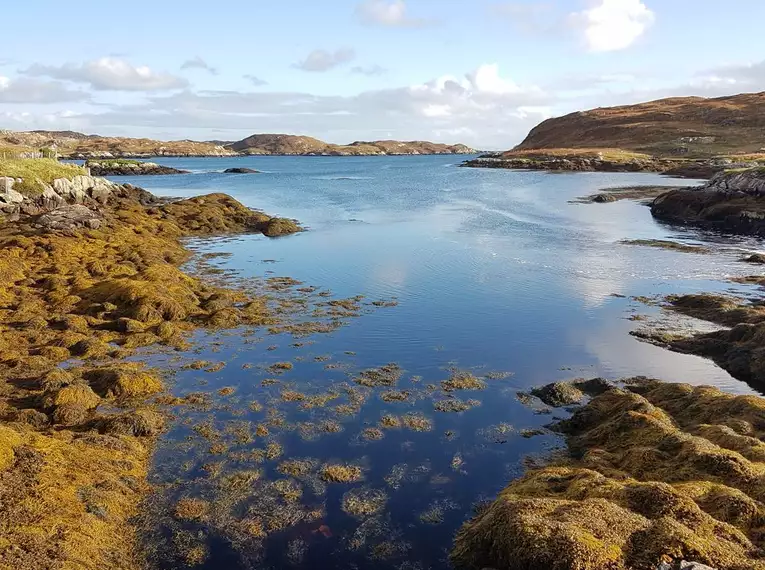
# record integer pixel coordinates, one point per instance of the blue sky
(480, 72)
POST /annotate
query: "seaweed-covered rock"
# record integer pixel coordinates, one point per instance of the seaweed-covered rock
(670, 474)
(125, 380)
(9, 440)
(78, 393)
(559, 394)
(758, 258)
(72, 414)
(276, 227)
(139, 423)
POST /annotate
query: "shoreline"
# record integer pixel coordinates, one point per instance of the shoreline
(114, 316)
(95, 293)
(610, 160)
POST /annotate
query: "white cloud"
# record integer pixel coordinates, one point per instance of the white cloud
(434, 110)
(748, 76)
(388, 13)
(612, 25)
(487, 79)
(321, 60)
(370, 70)
(199, 63)
(34, 91)
(256, 81)
(479, 109)
(110, 74)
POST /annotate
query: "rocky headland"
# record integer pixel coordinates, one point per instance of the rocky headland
(689, 137)
(611, 160)
(732, 201)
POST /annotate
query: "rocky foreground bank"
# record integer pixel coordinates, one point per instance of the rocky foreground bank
(89, 270)
(655, 474)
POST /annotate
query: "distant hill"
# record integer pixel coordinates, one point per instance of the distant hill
(70, 144)
(681, 126)
(302, 145)
(78, 145)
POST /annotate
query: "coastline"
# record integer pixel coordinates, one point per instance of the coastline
(75, 442)
(135, 393)
(610, 160)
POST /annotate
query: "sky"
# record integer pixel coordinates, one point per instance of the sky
(479, 72)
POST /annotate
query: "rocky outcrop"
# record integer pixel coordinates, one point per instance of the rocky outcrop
(70, 217)
(733, 202)
(749, 181)
(7, 194)
(129, 168)
(83, 190)
(241, 171)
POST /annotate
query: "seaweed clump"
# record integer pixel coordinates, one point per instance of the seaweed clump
(740, 349)
(341, 473)
(658, 473)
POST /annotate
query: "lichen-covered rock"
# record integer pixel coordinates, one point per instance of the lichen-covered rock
(9, 195)
(746, 181)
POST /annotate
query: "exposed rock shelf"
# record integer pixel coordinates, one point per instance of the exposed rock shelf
(123, 167)
(613, 160)
(733, 201)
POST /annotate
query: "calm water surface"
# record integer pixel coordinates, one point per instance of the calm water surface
(492, 271)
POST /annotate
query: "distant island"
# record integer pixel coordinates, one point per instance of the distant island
(74, 145)
(681, 136)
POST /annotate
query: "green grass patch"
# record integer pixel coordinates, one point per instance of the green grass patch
(36, 172)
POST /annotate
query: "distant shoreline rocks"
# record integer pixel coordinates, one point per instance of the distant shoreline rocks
(126, 167)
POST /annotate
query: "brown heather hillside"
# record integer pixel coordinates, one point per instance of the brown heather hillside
(78, 145)
(682, 126)
(292, 144)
